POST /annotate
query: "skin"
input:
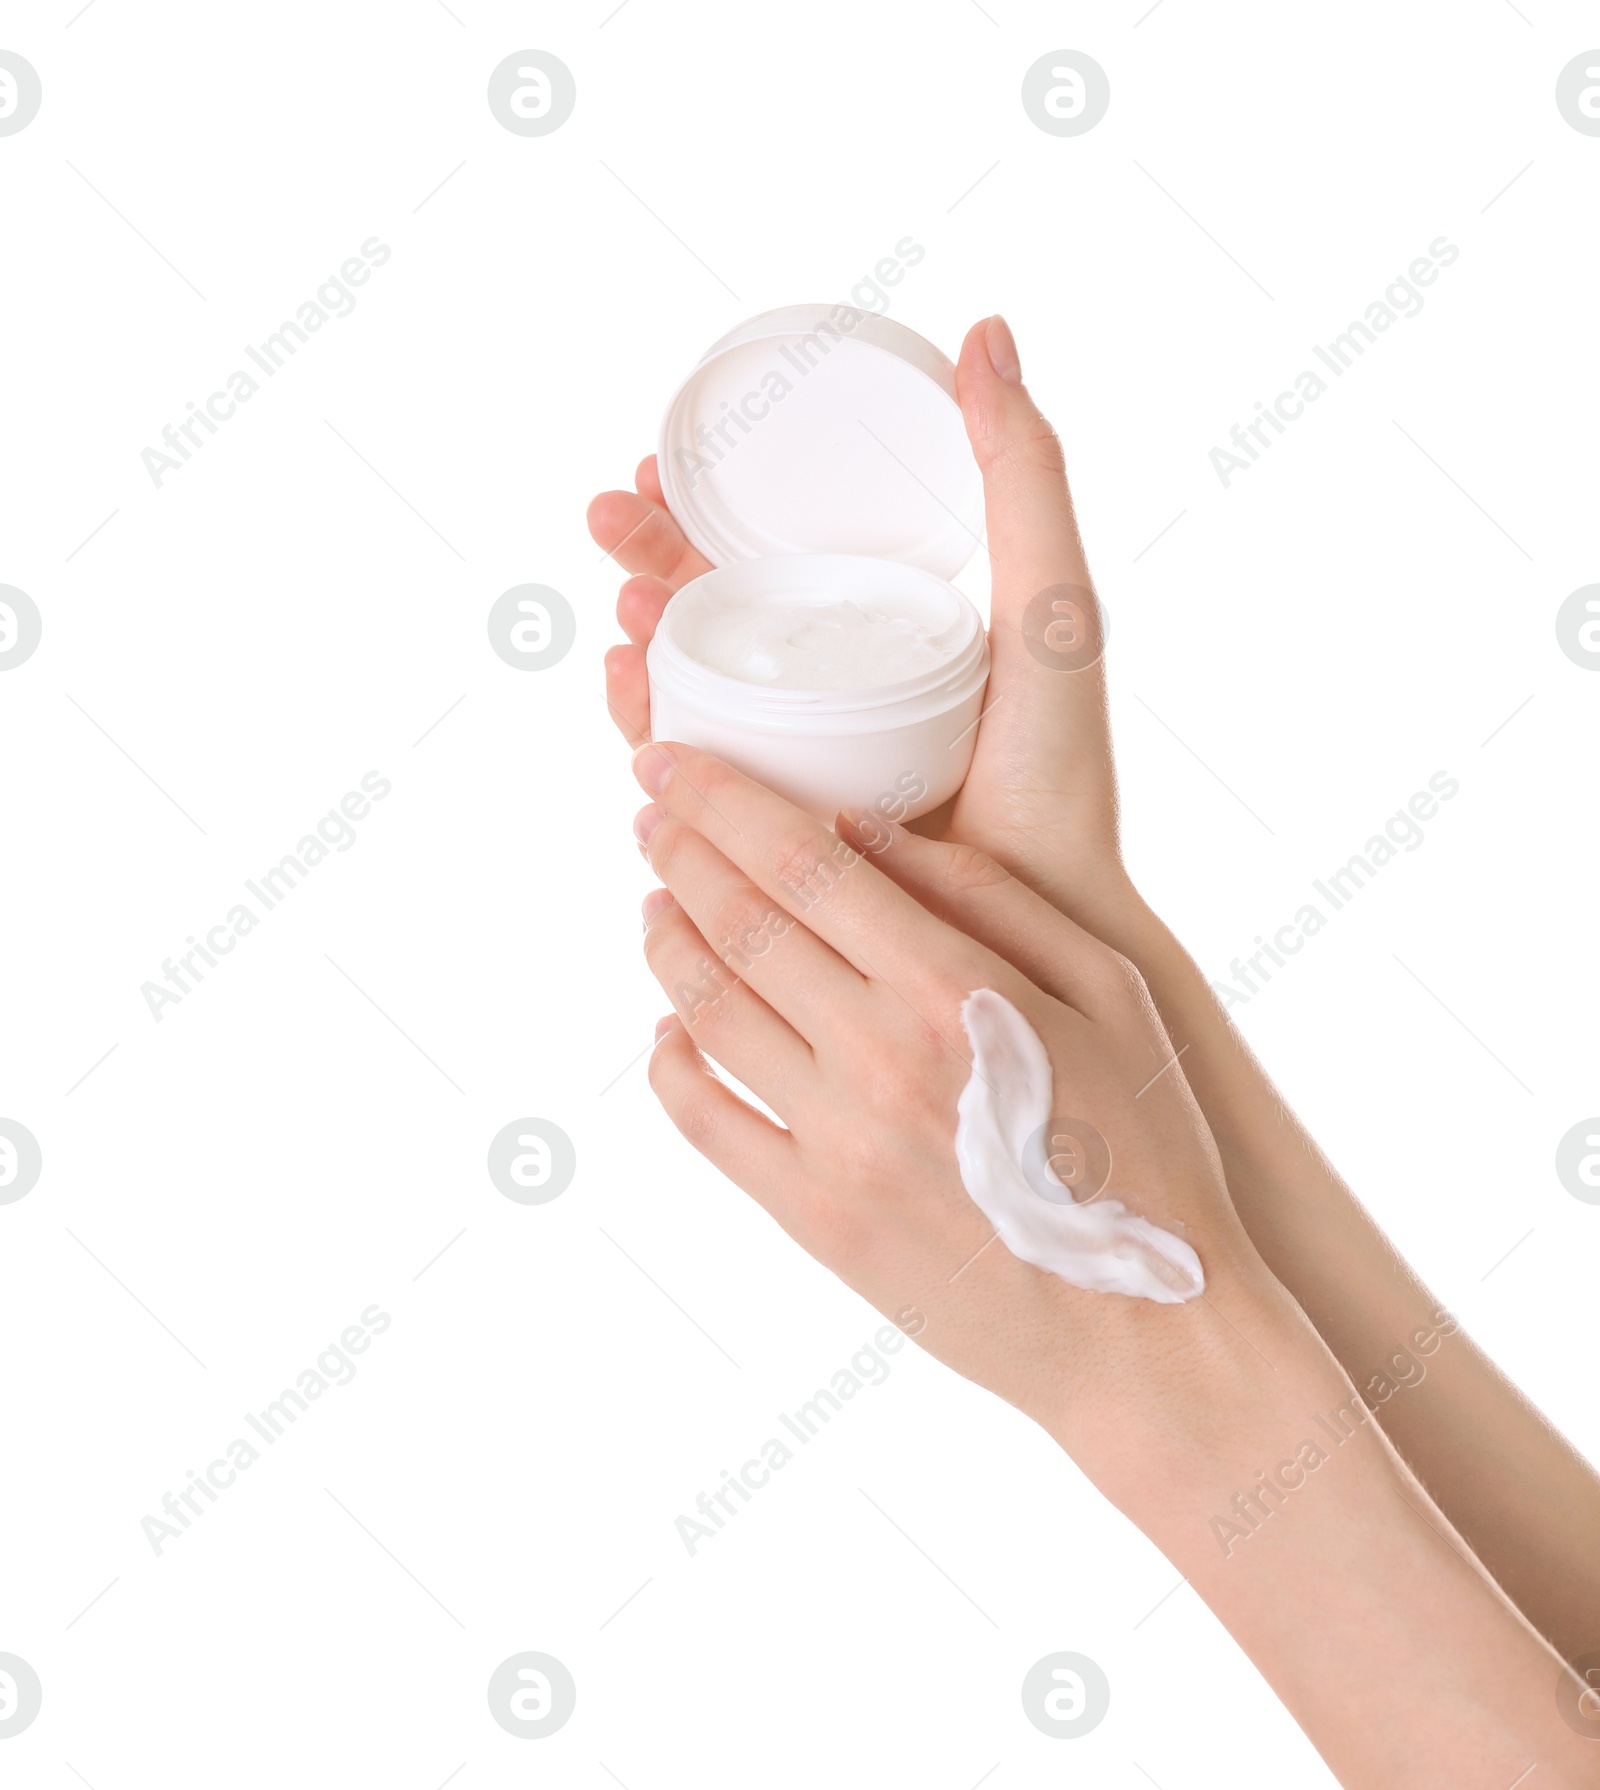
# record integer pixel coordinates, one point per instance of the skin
(1037, 818)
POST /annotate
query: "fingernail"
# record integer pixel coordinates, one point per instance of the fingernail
(652, 765)
(656, 902)
(871, 832)
(645, 823)
(664, 1025)
(1003, 356)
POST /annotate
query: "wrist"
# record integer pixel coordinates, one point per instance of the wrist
(1200, 1391)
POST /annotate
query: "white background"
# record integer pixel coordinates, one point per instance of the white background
(275, 620)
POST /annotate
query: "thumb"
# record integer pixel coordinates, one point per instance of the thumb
(1033, 537)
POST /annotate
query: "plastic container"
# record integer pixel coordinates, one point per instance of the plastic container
(818, 453)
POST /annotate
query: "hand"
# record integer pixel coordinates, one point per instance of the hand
(1040, 796)
(836, 999)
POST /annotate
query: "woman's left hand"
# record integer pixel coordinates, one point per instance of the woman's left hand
(1040, 796)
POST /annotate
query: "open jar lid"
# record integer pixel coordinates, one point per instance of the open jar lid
(823, 429)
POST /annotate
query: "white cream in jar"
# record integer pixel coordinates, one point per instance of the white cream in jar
(838, 681)
(811, 640)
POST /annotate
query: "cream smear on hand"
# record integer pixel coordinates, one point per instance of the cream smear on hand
(1099, 1245)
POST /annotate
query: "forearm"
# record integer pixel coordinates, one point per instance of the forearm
(1299, 1525)
(1526, 1501)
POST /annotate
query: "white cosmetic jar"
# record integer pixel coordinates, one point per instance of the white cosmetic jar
(817, 456)
(897, 749)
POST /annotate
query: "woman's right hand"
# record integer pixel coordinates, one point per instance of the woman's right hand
(839, 1000)
(1221, 1425)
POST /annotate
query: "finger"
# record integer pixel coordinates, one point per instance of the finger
(639, 606)
(628, 693)
(798, 863)
(758, 941)
(732, 1136)
(647, 481)
(1046, 631)
(970, 891)
(643, 537)
(726, 1018)
(1031, 525)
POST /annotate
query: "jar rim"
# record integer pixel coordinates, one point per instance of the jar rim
(669, 662)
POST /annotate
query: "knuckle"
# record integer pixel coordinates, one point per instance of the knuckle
(1138, 990)
(696, 1117)
(1030, 445)
(1120, 980)
(1036, 444)
(746, 927)
(898, 1084)
(662, 942)
(967, 870)
(694, 981)
(885, 1084)
(867, 1154)
(690, 1105)
(666, 845)
(1131, 975)
(653, 535)
(701, 777)
(703, 993)
(837, 1230)
(711, 1007)
(802, 867)
(654, 949)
